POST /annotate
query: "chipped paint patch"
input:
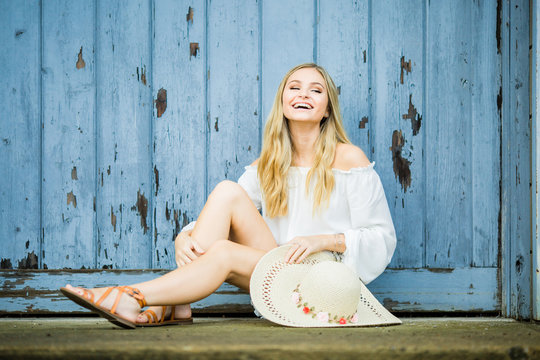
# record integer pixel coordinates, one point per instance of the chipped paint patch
(216, 127)
(18, 33)
(80, 62)
(412, 114)
(189, 15)
(113, 219)
(29, 262)
(74, 173)
(193, 49)
(405, 65)
(156, 176)
(6, 264)
(402, 170)
(71, 199)
(161, 102)
(363, 122)
(142, 208)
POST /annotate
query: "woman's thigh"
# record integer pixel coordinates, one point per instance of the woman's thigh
(243, 225)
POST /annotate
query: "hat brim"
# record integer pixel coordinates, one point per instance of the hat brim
(272, 284)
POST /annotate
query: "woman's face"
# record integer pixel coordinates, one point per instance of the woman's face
(305, 96)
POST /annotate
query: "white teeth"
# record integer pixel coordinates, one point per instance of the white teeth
(303, 105)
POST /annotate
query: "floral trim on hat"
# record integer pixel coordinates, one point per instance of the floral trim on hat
(322, 316)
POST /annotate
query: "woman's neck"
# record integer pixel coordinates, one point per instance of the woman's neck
(303, 136)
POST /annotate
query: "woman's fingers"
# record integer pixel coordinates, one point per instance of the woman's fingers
(197, 247)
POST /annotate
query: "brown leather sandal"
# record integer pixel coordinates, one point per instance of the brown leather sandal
(153, 319)
(87, 300)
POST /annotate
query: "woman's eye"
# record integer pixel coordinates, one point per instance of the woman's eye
(317, 91)
(295, 88)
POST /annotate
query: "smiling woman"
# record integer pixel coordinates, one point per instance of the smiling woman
(317, 193)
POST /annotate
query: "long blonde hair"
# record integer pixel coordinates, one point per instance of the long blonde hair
(277, 150)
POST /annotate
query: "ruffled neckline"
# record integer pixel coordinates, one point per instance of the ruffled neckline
(356, 170)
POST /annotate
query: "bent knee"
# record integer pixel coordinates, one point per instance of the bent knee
(228, 189)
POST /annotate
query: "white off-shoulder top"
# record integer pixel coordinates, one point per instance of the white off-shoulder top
(357, 208)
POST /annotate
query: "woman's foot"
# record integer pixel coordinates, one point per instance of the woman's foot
(180, 312)
(127, 307)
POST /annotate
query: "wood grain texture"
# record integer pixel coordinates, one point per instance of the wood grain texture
(466, 289)
(343, 50)
(486, 134)
(233, 105)
(69, 177)
(124, 108)
(448, 145)
(535, 153)
(20, 134)
(179, 134)
(516, 176)
(397, 127)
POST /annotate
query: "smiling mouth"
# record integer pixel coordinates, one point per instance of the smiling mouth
(302, 106)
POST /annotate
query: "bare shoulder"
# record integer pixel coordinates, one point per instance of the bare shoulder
(349, 156)
(255, 162)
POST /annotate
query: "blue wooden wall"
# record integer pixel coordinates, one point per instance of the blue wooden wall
(117, 118)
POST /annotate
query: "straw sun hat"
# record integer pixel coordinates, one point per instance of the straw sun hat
(318, 292)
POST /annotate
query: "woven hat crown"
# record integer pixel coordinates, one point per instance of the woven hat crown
(331, 287)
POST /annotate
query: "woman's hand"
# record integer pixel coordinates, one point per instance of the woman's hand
(302, 246)
(186, 248)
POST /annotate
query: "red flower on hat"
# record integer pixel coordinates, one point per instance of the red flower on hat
(342, 321)
(306, 310)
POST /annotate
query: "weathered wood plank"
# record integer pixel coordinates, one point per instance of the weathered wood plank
(179, 118)
(343, 50)
(397, 129)
(535, 153)
(486, 124)
(233, 97)
(465, 289)
(516, 176)
(69, 178)
(124, 108)
(20, 133)
(287, 40)
(448, 147)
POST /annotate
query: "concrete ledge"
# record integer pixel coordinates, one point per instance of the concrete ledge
(233, 338)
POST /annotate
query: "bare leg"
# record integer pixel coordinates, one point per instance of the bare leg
(228, 213)
(224, 261)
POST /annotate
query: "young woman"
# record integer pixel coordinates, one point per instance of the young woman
(316, 190)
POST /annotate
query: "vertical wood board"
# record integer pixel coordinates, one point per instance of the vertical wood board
(397, 128)
(516, 195)
(124, 158)
(20, 135)
(233, 68)
(448, 146)
(179, 117)
(68, 134)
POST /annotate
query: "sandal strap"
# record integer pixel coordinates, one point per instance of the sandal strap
(163, 310)
(134, 293)
(151, 316)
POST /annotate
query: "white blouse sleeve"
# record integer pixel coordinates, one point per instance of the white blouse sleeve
(250, 182)
(372, 239)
